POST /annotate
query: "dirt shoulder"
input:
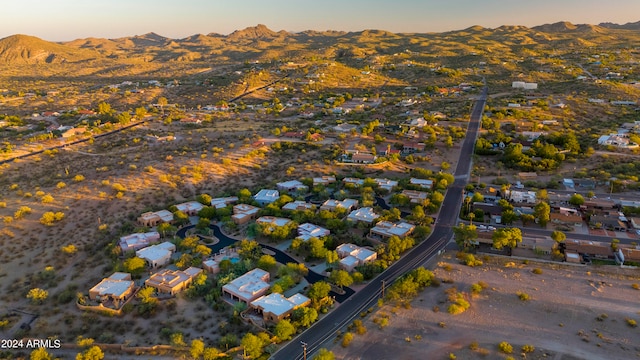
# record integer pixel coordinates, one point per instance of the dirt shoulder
(574, 312)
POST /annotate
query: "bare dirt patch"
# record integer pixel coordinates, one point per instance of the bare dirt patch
(574, 312)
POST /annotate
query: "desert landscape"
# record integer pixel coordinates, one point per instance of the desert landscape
(572, 312)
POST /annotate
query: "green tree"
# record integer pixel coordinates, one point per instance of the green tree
(249, 249)
(305, 316)
(319, 290)
(92, 353)
(542, 212)
(267, 262)
(341, 278)
(284, 330)
(509, 216)
(465, 235)
(527, 218)
(104, 109)
(576, 200)
(40, 354)
(162, 102)
(141, 112)
(252, 345)
(197, 348)
(134, 265)
(506, 237)
(558, 236)
(331, 257)
(324, 354)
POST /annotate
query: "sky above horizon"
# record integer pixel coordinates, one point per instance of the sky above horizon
(65, 20)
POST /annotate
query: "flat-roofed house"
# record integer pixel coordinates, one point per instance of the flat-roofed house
(592, 248)
(386, 183)
(423, 183)
(117, 288)
(247, 287)
(243, 213)
(415, 197)
(354, 181)
(157, 255)
(138, 240)
(273, 221)
(275, 307)
(266, 196)
(292, 186)
(307, 230)
(190, 208)
(352, 255)
(385, 229)
(220, 203)
(324, 180)
(333, 205)
(566, 219)
(153, 218)
(365, 214)
(211, 266)
(362, 158)
(172, 281)
(298, 205)
(607, 222)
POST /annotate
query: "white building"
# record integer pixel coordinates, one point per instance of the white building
(273, 221)
(157, 255)
(307, 230)
(248, 287)
(275, 307)
(292, 186)
(365, 214)
(265, 196)
(220, 203)
(298, 205)
(386, 183)
(138, 240)
(324, 180)
(385, 229)
(525, 197)
(352, 255)
(354, 181)
(190, 208)
(332, 205)
(423, 183)
(243, 213)
(116, 288)
(416, 197)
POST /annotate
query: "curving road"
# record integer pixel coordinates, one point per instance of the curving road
(280, 256)
(326, 327)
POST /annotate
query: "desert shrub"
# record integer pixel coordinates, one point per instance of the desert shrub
(474, 346)
(636, 286)
(632, 323)
(471, 260)
(523, 296)
(528, 348)
(505, 347)
(346, 339)
(537, 271)
(476, 289)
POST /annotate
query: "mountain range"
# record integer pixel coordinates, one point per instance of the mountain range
(261, 42)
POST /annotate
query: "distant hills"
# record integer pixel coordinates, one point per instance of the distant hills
(260, 41)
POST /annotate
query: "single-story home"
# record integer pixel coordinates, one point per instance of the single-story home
(352, 255)
(172, 281)
(157, 255)
(333, 205)
(266, 196)
(153, 218)
(275, 307)
(190, 208)
(116, 288)
(243, 213)
(138, 240)
(385, 229)
(292, 186)
(307, 230)
(365, 214)
(247, 287)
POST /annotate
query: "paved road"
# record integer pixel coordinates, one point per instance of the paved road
(338, 318)
(280, 256)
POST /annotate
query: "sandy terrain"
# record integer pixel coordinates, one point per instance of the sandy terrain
(560, 320)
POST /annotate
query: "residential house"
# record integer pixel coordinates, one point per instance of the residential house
(386, 183)
(138, 240)
(190, 208)
(265, 197)
(412, 147)
(157, 255)
(607, 222)
(635, 223)
(275, 307)
(423, 183)
(598, 204)
(324, 180)
(172, 281)
(365, 214)
(211, 266)
(154, 218)
(385, 229)
(117, 288)
(247, 287)
(363, 158)
(488, 209)
(344, 128)
(307, 230)
(523, 197)
(351, 256)
(272, 221)
(243, 213)
(73, 132)
(298, 205)
(594, 249)
(333, 205)
(416, 197)
(566, 219)
(220, 203)
(354, 181)
(618, 140)
(292, 186)
(539, 245)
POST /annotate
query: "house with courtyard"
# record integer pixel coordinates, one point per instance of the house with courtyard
(324, 180)
(138, 241)
(266, 196)
(154, 218)
(247, 287)
(307, 230)
(333, 205)
(423, 183)
(352, 255)
(353, 181)
(275, 307)
(190, 208)
(365, 215)
(415, 197)
(172, 281)
(385, 229)
(157, 255)
(292, 186)
(243, 213)
(298, 205)
(220, 203)
(115, 289)
(386, 184)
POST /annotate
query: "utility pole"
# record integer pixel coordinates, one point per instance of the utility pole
(304, 349)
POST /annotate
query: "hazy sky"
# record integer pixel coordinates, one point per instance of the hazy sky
(60, 20)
